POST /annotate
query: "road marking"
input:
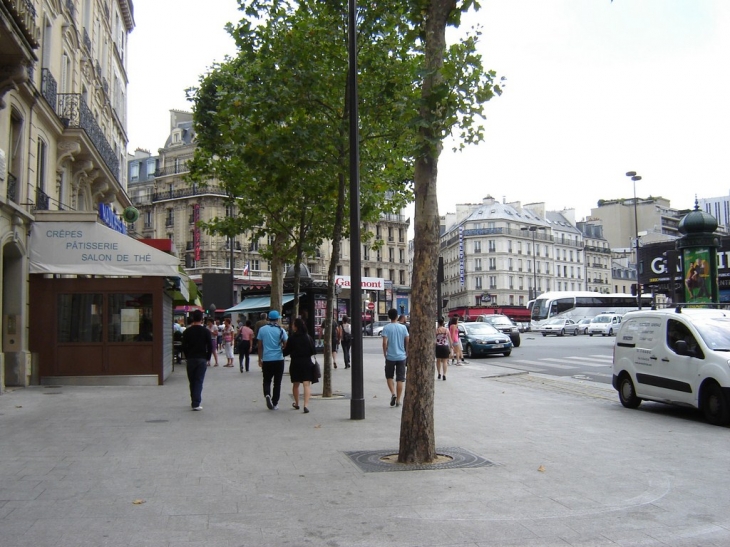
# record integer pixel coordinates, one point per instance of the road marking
(602, 360)
(541, 363)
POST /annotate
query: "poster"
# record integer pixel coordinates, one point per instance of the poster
(696, 270)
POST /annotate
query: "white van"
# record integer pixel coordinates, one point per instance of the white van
(677, 356)
(605, 324)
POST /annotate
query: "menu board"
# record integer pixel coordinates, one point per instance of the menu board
(320, 313)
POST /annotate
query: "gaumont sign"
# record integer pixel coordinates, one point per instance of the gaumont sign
(368, 283)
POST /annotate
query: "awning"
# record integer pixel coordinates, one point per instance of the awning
(257, 303)
(90, 248)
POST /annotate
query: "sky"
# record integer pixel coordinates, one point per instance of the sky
(594, 89)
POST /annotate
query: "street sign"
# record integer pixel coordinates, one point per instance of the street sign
(371, 305)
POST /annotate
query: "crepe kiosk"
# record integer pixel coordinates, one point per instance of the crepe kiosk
(101, 304)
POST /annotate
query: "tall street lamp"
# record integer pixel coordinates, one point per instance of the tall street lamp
(533, 230)
(634, 178)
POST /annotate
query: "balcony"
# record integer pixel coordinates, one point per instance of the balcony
(41, 200)
(187, 192)
(75, 114)
(172, 170)
(49, 88)
(12, 193)
(24, 14)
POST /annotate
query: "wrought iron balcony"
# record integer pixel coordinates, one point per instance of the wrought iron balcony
(187, 192)
(12, 193)
(74, 113)
(49, 88)
(41, 200)
(172, 169)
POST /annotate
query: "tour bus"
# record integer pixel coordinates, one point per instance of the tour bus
(577, 305)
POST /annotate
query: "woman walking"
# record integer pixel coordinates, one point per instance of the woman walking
(300, 347)
(214, 340)
(442, 350)
(228, 334)
(244, 347)
(455, 341)
(346, 330)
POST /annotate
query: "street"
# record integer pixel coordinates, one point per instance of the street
(580, 357)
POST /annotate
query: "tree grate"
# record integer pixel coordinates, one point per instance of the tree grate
(374, 461)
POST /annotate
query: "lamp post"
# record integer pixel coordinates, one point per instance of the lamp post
(634, 178)
(533, 230)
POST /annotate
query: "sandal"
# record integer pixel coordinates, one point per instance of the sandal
(296, 406)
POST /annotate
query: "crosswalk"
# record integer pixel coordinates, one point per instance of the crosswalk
(598, 365)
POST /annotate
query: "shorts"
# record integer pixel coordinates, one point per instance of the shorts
(397, 369)
(442, 351)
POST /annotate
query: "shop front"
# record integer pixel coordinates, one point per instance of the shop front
(101, 305)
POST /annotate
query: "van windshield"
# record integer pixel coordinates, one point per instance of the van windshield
(715, 331)
(601, 319)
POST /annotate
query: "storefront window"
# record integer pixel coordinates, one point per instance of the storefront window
(130, 318)
(79, 318)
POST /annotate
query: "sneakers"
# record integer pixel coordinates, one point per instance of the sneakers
(392, 400)
(199, 407)
(269, 403)
(276, 407)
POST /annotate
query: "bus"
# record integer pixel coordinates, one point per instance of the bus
(577, 305)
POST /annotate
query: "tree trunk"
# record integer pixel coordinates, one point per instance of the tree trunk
(417, 435)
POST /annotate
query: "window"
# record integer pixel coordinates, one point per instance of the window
(519, 265)
(492, 281)
(477, 264)
(366, 272)
(492, 246)
(401, 238)
(365, 252)
(390, 234)
(170, 218)
(478, 282)
(79, 318)
(391, 254)
(253, 246)
(255, 265)
(402, 277)
(509, 264)
(339, 270)
(511, 282)
(509, 245)
(134, 172)
(401, 256)
(492, 263)
(477, 246)
(391, 275)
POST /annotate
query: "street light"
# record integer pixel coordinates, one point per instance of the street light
(533, 230)
(634, 178)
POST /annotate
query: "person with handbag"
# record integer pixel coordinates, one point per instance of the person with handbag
(300, 348)
(272, 340)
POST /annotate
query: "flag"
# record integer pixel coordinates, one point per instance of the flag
(245, 269)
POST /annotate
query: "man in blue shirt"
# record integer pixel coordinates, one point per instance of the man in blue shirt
(395, 350)
(272, 338)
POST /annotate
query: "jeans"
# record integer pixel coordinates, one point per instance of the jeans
(346, 351)
(196, 375)
(273, 370)
(244, 350)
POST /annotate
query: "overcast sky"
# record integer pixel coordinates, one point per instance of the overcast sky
(594, 89)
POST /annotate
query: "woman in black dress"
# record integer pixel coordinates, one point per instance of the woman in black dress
(300, 347)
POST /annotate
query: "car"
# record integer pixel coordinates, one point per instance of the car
(605, 324)
(483, 339)
(504, 324)
(560, 326)
(378, 327)
(678, 356)
(583, 324)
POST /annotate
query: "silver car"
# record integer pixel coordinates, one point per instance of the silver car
(560, 327)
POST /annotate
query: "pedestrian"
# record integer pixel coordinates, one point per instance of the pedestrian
(272, 339)
(403, 321)
(346, 329)
(197, 346)
(228, 333)
(395, 351)
(456, 341)
(336, 337)
(260, 323)
(219, 339)
(244, 346)
(442, 349)
(300, 347)
(213, 330)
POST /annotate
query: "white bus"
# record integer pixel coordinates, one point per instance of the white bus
(577, 305)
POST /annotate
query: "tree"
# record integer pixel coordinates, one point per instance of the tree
(453, 90)
(272, 126)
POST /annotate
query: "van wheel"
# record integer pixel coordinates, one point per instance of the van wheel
(544, 333)
(610, 332)
(627, 393)
(590, 334)
(715, 405)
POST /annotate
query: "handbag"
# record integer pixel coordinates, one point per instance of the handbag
(316, 372)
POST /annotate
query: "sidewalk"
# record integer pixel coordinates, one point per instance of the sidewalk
(571, 466)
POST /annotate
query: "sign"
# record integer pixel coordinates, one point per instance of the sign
(107, 216)
(371, 305)
(367, 283)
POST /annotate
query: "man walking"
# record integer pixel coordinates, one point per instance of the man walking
(197, 345)
(272, 339)
(395, 351)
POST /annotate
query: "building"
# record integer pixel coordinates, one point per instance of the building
(170, 208)
(597, 255)
(719, 208)
(62, 136)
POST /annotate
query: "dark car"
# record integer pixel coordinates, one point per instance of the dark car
(483, 339)
(503, 324)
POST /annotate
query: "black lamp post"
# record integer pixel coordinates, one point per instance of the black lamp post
(533, 230)
(634, 178)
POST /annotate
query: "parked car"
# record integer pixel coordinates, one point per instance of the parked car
(605, 324)
(583, 324)
(560, 326)
(504, 324)
(675, 356)
(378, 327)
(483, 339)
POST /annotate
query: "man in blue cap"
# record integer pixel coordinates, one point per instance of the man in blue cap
(272, 339)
